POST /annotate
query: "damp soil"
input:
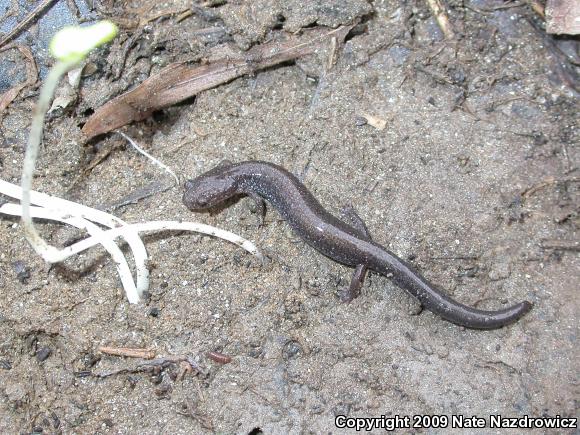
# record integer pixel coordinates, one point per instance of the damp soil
(461, 156)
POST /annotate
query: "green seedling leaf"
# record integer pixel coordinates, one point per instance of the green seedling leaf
(72, 44)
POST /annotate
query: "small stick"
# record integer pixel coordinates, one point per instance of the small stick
(152, 363)
(219, 357)
(438, 10)
(548, 182)
(333, 55)
(561, 245)
(538, 8)
(35, 13)
(130, 352)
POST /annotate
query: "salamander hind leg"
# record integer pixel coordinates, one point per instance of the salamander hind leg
(260, 208)
(353, 290)
(351, 217)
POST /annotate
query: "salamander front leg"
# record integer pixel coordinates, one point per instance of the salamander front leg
(358, 277)
(351, 217)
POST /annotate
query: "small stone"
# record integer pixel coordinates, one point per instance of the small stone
(108, 422)
(296, 282)
(43, 353)
(359, 121)
(291, 349)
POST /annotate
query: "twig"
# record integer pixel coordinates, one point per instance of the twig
(548, 182)
(153, 188)
(130, 352)
(457, 257)
(161, 14)
(561, 245)
(35, 13)
(438, 10)
(538, 8)
(152, 364)
(495, 8)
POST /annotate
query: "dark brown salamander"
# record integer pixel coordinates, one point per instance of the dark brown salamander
(344, 243)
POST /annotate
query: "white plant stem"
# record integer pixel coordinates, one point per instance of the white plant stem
(108, 235)
(95, 231)
(40, 246)
(72, 208)
(83, 217)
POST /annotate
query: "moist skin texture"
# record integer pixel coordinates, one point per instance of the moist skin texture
(347, 244)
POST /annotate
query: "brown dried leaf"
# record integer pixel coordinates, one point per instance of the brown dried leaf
(180, 81)
(375, 121)
(31, 75)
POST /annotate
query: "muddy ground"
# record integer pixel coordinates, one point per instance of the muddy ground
(474, 179)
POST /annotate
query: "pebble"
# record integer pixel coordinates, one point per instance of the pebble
(43, 353)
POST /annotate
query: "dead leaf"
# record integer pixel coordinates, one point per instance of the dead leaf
(180, 81)
(376, 122)
(31, 76)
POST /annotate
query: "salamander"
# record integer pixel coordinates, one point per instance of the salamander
(347, 243)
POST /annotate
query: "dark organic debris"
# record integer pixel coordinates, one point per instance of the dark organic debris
(549, 181)
(187, 365)
(22, 271)
(153, 188)
(189, 408)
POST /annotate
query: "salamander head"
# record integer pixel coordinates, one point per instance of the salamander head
(209, 189)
